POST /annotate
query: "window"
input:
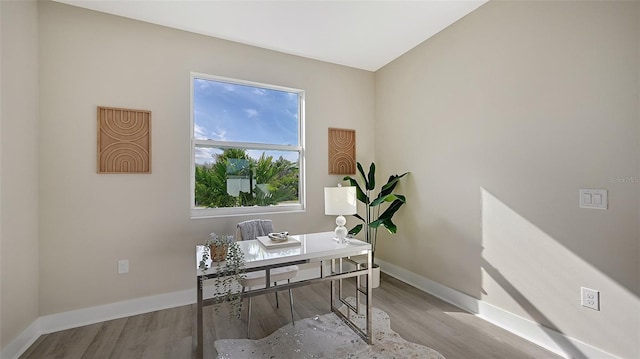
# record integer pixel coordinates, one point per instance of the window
(247, 147)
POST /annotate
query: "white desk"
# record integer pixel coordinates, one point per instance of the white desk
(314, 247)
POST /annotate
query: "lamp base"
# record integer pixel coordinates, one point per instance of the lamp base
(341, 231)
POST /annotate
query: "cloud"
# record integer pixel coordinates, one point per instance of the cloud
(201, 133)
(259, 91)
(251, 112)
(203, 84)
(220, 135)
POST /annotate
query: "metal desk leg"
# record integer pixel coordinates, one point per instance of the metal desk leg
(369, 297)
(354, 309)
(331, 282)
(199, 326)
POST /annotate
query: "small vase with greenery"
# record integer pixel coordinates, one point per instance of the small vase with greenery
(385, 201)
(225, 252)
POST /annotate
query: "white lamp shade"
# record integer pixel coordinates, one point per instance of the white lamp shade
(340, 200)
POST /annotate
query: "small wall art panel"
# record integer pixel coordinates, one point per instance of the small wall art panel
(342, 151)
(124, 140)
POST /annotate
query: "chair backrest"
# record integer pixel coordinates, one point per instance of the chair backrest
(253, 228)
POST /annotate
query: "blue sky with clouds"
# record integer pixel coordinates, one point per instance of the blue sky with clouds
(224, 111)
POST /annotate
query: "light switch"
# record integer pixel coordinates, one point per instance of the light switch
(593, 198)
(597, 199)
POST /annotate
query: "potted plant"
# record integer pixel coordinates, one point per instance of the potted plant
(379, 210)
(225, 252)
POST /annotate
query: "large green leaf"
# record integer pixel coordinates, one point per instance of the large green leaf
(355, 230)
(386, 223)
(388, 198)
(371, 183)
(391, 184)
(362, 175)
(385, 217)
(391, 210)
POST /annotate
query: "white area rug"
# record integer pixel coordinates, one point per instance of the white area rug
(326, 336)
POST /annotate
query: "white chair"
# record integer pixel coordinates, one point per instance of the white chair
(250, 230)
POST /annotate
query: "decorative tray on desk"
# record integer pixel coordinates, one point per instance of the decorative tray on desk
(278, 241)
(278, 236)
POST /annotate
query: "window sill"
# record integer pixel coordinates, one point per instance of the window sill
(204, 213)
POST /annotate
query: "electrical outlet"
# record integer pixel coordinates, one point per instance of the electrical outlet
(590, 298)
(123, 266)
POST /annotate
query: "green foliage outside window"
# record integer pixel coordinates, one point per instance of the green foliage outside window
(270, 182)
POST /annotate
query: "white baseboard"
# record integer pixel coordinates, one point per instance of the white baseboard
(77, 318)
(549, 339)
(525, 328)
(20, 344)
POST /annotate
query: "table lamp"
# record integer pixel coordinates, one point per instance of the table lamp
(340, 201)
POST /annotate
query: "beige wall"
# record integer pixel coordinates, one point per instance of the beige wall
(19, 168)
(89, 221)
(501, 118)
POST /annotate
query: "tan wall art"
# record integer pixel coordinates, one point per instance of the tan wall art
(124, 140)
(342, 151)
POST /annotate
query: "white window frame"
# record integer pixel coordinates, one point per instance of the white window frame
(254, 210)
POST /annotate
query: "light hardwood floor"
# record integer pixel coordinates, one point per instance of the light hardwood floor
(418, 317)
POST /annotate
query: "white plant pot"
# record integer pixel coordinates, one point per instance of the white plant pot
(376, 271)
(376, 276)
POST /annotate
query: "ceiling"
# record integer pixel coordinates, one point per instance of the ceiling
(361, 34)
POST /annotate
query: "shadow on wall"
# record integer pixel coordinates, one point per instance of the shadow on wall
(531, 309)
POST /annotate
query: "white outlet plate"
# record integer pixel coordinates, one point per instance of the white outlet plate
(590, 298)
(123, 266)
